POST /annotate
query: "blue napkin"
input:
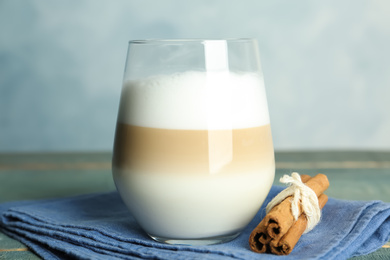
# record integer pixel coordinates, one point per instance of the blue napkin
(98, 226)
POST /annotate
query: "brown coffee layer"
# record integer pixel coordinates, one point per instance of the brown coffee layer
(173, 151)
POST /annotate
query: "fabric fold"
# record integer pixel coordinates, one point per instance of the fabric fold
(99, 226)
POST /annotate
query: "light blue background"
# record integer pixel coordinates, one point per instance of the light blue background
(326, 67)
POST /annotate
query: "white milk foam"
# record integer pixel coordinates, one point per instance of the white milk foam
(196, 101)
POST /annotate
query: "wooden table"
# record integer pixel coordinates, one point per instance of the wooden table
(355, 175)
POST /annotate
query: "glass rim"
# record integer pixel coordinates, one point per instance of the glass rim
(190, 40)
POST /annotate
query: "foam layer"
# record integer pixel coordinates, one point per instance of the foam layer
(195, 100)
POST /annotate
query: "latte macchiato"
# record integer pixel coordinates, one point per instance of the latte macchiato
(193, 155)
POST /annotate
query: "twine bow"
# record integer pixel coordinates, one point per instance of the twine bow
(302, 195)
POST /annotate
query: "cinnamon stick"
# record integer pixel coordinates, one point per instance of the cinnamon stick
(280, 218)
(259, 238)
(286, 244)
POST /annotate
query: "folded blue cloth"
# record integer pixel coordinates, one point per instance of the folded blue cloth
(98, 226)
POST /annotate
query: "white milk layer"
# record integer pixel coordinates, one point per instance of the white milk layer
(191, 207)
(195, 100)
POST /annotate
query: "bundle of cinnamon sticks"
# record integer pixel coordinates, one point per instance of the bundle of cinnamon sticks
(279, 232)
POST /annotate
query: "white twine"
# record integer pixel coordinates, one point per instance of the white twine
(301, 194)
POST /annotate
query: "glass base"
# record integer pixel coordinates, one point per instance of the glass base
(197, 241)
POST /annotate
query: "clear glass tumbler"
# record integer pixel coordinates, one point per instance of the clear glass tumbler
(193, 156)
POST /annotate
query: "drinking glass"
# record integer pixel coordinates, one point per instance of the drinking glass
(193, 156)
